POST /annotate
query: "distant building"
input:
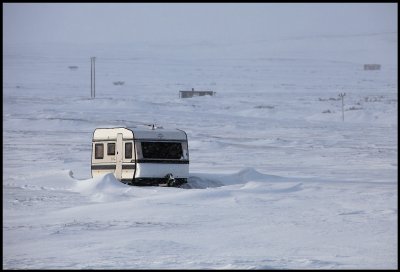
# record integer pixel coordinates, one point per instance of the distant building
(372, 66)
(188, 94)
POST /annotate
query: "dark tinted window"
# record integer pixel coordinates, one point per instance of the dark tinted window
(98, 151)
(128, 150)
(111, 149)
(161, 150)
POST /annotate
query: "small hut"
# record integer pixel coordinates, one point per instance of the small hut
(192, 93)
(372, 66)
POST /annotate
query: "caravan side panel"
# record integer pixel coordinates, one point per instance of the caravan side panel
(102, 160)
(160, 170)
(104, 153)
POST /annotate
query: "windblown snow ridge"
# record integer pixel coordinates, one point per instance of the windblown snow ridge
(201, 180)
(102, 188)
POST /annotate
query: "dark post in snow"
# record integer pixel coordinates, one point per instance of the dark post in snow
(342, 96)
(92, 77)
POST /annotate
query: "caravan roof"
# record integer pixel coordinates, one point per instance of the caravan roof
(139, 133)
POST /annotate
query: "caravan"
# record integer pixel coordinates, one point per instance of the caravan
(154, 156)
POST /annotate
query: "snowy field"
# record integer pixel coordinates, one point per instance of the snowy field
(277, 179)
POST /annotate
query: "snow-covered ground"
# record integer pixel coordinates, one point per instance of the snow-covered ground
(277, 179)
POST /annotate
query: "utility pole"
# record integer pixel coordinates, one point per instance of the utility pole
(342, 96)
(92, 77)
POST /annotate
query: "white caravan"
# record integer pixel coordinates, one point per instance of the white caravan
(154, 156)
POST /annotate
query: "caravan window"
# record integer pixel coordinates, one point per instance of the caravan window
(128, 150)
(111, 149)
(98, 151)
(161, 150)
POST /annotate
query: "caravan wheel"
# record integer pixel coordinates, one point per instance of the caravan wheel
(170, 180)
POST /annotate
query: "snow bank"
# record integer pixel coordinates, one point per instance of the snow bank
(108, 188)
(102, 189)
(248, 174)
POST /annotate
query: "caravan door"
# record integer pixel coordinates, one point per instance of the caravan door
(118, 157)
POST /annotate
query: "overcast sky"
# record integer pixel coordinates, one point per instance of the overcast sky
(223, 22)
